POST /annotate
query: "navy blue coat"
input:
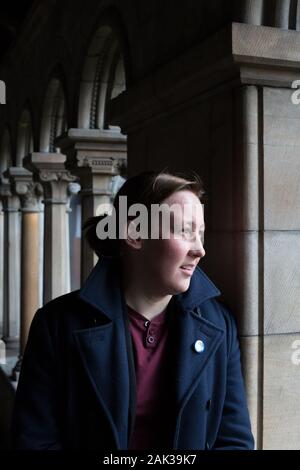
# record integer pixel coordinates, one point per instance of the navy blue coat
(77, 384)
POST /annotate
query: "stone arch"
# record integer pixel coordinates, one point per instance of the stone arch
(54, 116)
(103, 78)
(24, 137)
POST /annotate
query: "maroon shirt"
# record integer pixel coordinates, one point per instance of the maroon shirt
(150, 345)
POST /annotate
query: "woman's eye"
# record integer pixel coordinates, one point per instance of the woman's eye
(186, 231)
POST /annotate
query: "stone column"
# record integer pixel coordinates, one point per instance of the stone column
(22, 184)
(73, 189)
(95, 156)
(249, 11)
(41, 251)
(49, 170)
(1, 268)
(11, 265)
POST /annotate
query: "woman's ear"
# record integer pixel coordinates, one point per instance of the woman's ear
(132, 237)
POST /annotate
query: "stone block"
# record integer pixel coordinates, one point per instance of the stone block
(281, 282)
(282, 187)
(278, 102)
(232, 263)
(281, 385)
(250, 354)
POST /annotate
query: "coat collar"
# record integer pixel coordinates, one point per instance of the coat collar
(102, 288)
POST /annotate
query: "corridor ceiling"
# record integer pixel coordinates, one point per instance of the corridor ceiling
(12, 15)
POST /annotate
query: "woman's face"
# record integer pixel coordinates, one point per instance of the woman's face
(170, 262)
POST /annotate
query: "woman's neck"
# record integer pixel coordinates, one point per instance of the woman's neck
(149, 309)
(141, 298)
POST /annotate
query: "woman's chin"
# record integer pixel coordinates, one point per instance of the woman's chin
(180, 287)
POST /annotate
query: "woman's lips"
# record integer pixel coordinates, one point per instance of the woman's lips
(187, 269)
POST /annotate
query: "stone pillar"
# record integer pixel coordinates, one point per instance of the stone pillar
(28, 192)
(41, 251)
(249, 11)
(95, 156)
(1, 268)
(11, 265)
(73, 189)
(49, 170)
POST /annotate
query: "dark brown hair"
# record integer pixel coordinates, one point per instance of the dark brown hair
(146, 188)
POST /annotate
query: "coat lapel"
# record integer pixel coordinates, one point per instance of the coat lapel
(103, 354)
(189, 328)
(103, 349)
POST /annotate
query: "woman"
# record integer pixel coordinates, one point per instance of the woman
(143, 356)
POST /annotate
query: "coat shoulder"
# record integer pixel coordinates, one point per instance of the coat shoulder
(63, 301)
(61, 304)
(59, 310)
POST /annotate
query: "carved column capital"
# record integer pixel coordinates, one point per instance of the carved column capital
(49, 170)
(22, 185)
(98, 164)
(99, 151)
(29, 193)
(5, 189)
(49, 175)
(9, 199)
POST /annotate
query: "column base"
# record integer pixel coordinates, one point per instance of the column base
(11, 342)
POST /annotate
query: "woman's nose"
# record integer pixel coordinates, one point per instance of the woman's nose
(201, 251)
(198, 249)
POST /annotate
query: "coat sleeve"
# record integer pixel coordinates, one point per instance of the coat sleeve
(35, 423)
(235, 428)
